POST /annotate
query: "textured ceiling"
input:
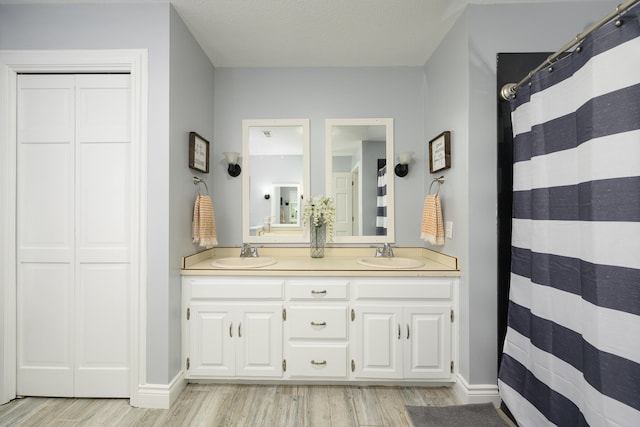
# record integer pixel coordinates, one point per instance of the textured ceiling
(312, 33)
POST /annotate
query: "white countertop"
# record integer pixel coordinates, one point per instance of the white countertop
(338, 261)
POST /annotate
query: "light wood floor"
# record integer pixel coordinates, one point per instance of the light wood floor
(238, 405)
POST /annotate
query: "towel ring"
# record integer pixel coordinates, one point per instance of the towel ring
(440, 181)
(197, 181)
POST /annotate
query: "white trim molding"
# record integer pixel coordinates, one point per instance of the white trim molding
(13, 62)
(160, 396)
(476, 393)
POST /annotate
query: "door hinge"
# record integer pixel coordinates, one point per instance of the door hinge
(353, 365)
(188, 363)
(353, 315)
(188, 313)
(284, 365)
(452, 366)
(452, 315)
(284, 314)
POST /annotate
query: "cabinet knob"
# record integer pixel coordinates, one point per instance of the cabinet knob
(318, 323)
(322, 362)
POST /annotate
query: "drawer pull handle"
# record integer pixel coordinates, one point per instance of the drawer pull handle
(314, 292)
(322, 362)
(318, 323)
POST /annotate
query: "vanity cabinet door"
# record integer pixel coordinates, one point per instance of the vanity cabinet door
(411, 342)
(259, 340)
(241, 340)
(211, 343)
(378, 341)
(427, 342)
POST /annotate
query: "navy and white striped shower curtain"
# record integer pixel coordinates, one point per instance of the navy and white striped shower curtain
(381, 203)
(572, 350)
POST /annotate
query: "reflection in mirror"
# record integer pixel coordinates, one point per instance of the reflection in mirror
(357, 177)
(275, 180)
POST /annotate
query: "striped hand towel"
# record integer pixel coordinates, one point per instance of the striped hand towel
(204, 223)
(432, 229)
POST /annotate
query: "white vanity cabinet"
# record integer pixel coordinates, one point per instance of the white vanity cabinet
(233, 327)
(316, 328)
(299, 328)
(402, 329)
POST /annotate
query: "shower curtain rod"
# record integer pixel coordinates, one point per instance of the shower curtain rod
(510, 89)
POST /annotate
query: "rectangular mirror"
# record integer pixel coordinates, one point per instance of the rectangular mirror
(275, 180)
(359, 176)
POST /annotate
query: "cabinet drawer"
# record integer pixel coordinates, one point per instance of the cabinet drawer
(317, 290)
(317, 360)
(237, 289)
(317, 322)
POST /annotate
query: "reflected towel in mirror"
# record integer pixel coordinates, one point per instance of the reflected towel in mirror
(204, 223)
(432, 230)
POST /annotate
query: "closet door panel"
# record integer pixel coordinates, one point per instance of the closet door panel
(45, 202)
(45, 319)
(45, 154)
(102, 330)
(45, 235)
(46, 108)
(104, 145)
(104, 205)
(104, 108)
(103, 237)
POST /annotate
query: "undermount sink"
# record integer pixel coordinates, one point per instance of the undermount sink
(390, 262)
(243, 262)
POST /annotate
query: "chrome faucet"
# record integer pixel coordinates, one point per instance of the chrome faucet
(248, 251)
(386, 250)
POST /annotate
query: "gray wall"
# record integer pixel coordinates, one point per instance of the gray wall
(461, 97)
(191, 109)
(319, 94)
(142, 26)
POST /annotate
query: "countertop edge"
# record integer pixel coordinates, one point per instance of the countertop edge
(297, 264)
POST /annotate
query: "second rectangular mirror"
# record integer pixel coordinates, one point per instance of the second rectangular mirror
(275, 180)
(359, 176)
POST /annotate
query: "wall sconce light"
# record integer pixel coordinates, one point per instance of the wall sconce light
(232, 159)
(404, 158)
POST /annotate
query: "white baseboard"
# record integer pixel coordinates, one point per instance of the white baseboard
(161, 396)
(476, 393)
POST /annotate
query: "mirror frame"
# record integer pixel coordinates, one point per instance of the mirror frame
(388, 123)
(246, 181)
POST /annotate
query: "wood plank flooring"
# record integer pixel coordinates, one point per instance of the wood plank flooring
(238, 405)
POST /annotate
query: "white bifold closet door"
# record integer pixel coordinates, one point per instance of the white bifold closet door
(74, 235)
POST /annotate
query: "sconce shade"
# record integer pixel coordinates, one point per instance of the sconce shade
(404, 158)
(232, 159)
(402, 168)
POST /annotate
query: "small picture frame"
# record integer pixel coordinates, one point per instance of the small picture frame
(198, 153)
(440, 152)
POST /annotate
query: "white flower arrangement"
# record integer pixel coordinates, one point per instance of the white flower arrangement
(321, 209)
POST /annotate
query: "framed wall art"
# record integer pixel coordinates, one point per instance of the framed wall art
(198, 153)
(440, 152)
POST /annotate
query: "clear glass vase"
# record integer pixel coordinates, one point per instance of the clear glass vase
(318, 239)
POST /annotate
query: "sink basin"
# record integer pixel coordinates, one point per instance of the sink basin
(243, 262)
(394, 262)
